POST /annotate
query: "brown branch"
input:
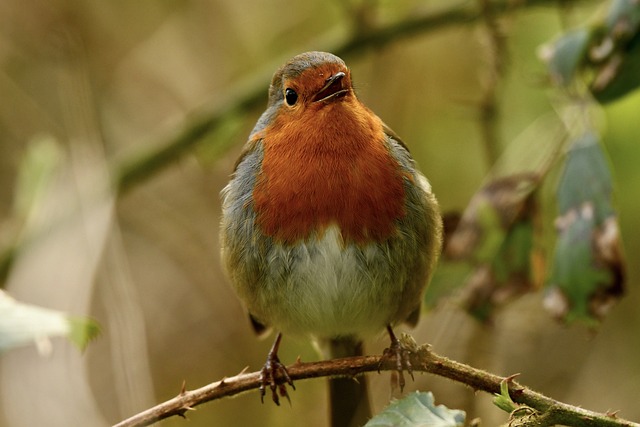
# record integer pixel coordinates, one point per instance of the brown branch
(246, 96)
(254, 94)
(489, 105)
(551, 411)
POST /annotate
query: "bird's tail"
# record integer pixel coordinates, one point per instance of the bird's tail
(348, 397)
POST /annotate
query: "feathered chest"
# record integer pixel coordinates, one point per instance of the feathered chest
(332, 167)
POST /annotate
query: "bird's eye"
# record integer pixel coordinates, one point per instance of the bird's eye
(290, 96)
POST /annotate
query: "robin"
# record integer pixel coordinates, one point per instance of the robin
(328, 229)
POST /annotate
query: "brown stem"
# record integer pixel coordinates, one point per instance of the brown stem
(254, 94)
(251, 94)
(489, 107)
(552, 411)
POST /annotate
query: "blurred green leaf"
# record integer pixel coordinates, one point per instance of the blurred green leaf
(496, 236)
(82, 331)
(623, 17)
(620, 75)
(37, 167)
(586, 178)
(588, 270)
(40, 162)
(606, 55)
(417, 410)
(506, 276)
(565, 56)
(574, 271)
(491, 213)
(23, 324)
(493, 234)
(515, 252)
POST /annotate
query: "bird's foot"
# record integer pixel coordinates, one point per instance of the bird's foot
(402, 355)
(274, 374)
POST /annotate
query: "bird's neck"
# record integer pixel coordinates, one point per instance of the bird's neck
(329, 166)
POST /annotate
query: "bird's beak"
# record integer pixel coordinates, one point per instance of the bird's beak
(333, 88)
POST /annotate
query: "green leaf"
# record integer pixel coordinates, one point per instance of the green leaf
(503, 400)
(494, 233)
(588, 267)
(608, 52)
(565, 56)
(515, 252)
(23, 324)
(417, 410)
(82, 331)
(497, 234)
(620, 75)
(586, 178)
(623, 13)
(39, 164)
(575, 273)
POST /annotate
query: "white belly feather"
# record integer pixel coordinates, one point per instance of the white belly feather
(330, 289)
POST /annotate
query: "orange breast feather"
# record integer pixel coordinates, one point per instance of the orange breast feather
(329, 166)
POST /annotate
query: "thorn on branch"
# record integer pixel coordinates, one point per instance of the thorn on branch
(182, 411)
(526, 408)
(613, 414)
(514, 387)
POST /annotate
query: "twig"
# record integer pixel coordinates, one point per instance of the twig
(191, 132)
(134, 170)
(552, 412)
(489, 107)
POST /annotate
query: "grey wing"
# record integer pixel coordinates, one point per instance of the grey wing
(242, 263)
(423, 223)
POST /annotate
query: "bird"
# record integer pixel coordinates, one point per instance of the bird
(328, 229)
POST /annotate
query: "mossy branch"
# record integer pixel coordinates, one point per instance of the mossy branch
(254, 95)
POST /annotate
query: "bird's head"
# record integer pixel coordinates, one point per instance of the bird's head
(310, 81)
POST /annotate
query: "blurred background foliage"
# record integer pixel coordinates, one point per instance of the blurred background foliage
(120, 123)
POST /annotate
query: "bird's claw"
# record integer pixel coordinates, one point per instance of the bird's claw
(402, 356)
(275, 375)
